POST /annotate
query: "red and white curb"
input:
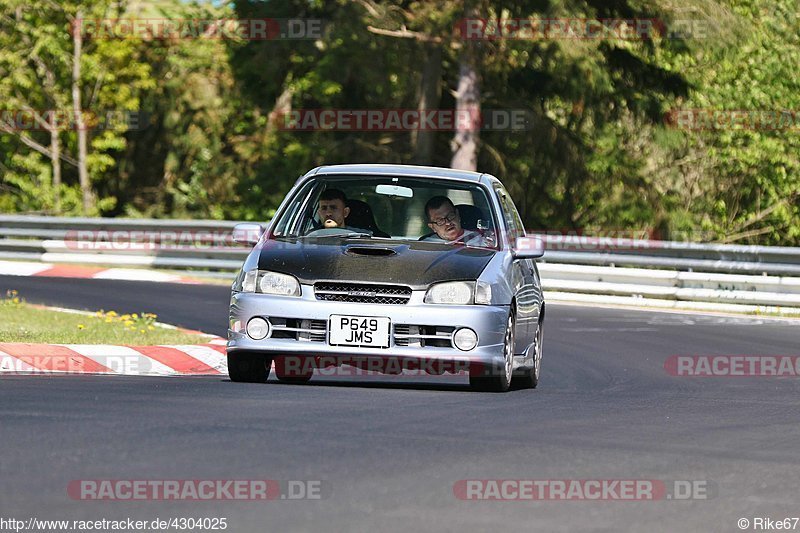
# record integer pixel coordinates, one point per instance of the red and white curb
(21, 268)
(178, 360)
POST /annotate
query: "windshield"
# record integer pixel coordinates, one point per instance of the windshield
(377, 207)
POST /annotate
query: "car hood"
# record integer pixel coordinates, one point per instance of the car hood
(416, 264)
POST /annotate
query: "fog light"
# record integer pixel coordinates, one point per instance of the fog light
(258, 328)
(465, 339)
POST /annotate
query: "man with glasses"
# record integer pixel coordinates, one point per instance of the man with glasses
(445, 221)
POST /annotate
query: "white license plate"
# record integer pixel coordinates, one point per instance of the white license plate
(367, 331)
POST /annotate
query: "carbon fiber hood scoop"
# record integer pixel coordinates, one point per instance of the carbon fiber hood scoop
(379, 251)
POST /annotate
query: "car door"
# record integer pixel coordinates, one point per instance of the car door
(527, 294)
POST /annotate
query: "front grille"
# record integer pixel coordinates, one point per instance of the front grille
(299, 329)
(403, 335)
(362, 293)
(422, 336)
(313, 330)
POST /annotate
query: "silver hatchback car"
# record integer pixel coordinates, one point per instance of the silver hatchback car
(390, 268)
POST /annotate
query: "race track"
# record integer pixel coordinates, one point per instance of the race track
(389, 451)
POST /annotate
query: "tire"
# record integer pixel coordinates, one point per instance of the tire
(496, 379)
(295, 373)
(248, 367)
(529, 378)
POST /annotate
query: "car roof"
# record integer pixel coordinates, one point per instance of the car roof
(398, 170)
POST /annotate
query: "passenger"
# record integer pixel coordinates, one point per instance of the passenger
(445, 221)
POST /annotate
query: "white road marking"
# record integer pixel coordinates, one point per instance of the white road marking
(19, 268)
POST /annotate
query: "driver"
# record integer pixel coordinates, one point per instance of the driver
(332, 208)
(332, 211)
(445, 221)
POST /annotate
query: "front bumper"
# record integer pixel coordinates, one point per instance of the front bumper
(311, 316)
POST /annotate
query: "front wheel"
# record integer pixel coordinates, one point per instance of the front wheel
(494, 379)
(529, 378)
(247, 367)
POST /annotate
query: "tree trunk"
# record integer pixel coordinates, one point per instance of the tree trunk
(55, 160)
(430, 94)
(83, 174)
(468, 111)
(282, 108)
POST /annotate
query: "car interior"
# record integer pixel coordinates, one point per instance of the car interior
(361, 217)
(400, 209)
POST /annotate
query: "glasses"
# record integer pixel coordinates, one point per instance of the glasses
(453, 216)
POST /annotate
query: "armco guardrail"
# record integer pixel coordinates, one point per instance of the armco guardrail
(755, 277)
(688, 256)
(656, 270)
(178, 244)
(672, 285)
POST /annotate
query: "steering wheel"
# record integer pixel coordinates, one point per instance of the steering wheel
(330, 231)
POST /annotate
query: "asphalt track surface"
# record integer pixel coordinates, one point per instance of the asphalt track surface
(389, 451)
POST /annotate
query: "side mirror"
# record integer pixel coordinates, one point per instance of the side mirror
(247, 233)
(529, 247)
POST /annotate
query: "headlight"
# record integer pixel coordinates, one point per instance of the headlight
(275, 283)
(452, 292)
(460, 293)
(266, 282)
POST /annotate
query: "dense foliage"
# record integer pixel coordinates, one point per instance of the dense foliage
(604, 145)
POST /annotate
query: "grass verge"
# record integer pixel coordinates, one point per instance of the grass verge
(23, 322)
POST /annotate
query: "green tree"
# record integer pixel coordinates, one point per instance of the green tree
(46, 67)
(740, 183)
